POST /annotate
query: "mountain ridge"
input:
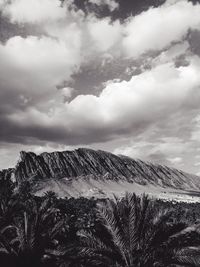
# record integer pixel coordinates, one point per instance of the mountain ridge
(94, 170)
(82, 162)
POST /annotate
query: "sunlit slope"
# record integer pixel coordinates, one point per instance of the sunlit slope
(86, 172)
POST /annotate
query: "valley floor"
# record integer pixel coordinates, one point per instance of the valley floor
(106, 188)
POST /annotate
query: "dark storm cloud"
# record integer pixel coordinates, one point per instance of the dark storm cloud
(33, 133)
(126, 7)
(91, 78)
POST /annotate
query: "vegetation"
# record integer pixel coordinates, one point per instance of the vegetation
(137, 233)
(129, 232)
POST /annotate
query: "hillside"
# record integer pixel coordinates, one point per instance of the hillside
(86, 172)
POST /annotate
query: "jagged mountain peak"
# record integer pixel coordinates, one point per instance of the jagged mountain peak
(90, 170)
(24, 154)
(83, 162)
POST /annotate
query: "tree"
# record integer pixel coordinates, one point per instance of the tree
(26, 242)
(134, 233)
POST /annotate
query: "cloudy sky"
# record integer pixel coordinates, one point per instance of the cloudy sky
(117, 75)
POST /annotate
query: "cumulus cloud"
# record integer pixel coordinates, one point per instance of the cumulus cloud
(146, 97)
(36, 66)
(155, 29)
(33, 11)
(38, 106)
(105, 33)
(41, 54)
(121, 108)
(158, 27)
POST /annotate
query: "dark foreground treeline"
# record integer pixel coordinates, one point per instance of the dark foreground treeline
(131, 232)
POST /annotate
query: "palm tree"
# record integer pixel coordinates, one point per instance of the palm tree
(25, 243)
(51, 196)
(8, 209)
(134, 232)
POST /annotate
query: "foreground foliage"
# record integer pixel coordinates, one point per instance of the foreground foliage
(136, 233)
(129, 232)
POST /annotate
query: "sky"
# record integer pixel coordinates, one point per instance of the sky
(116, 75)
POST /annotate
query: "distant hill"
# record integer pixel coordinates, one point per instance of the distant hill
(86, 172)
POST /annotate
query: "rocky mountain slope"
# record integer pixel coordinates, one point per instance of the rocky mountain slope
(85, 171)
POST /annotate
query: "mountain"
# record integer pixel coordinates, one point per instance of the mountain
(86, 172)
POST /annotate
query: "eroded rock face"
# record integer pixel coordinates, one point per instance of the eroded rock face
(29, 166)
(6, 174)
(99, 165)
